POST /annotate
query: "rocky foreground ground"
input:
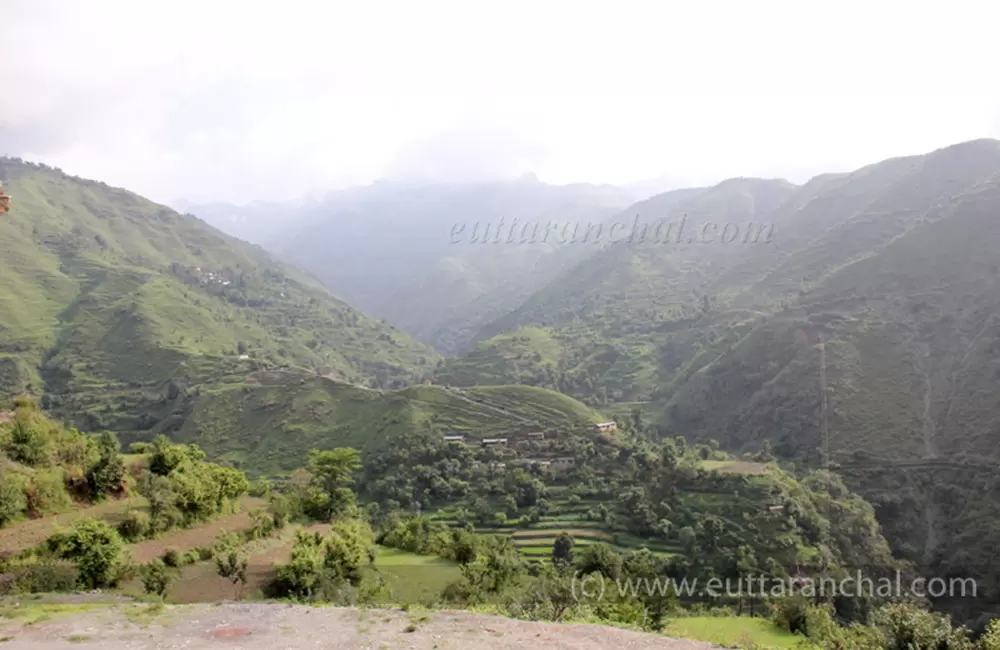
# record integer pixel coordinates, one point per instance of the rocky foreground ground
(261, 626)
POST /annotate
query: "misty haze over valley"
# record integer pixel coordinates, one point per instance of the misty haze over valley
(472, 319)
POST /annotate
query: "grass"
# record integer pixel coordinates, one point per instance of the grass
(27, 612)
(734, 467)
(414, 578)
(410, 578)
(736, 631)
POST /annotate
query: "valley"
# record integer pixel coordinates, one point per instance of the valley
(816, 404)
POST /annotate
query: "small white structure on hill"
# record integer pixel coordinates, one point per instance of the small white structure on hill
(564, 462)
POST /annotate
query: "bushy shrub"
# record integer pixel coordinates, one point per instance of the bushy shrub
(172, 558)
(46, 492)
(13, 501)
(156, 578)
(107, 474)
(96, 549)
(991, 637)
(905, 626)
(792, 615)
(260, 488)
(47, 577)
(328, 568)
(135, 527)
(140, 448)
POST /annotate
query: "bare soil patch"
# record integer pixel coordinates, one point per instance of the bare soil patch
(269, 626)
(33, 532)
(202, 535)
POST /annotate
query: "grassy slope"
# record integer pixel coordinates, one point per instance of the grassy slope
(733, 631)
(268, 427)
(100, 296)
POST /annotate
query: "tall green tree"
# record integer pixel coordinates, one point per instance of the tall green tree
(332, 477)
(108, 473)
(562, 550)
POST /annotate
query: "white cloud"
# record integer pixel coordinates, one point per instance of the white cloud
(248, 100)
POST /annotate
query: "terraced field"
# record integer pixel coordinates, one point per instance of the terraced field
(199, 582)
(197, 536)
(535, 541)
(26, 534)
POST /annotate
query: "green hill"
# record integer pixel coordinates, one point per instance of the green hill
(268, 425)
(106, 298)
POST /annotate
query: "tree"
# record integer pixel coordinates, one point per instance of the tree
(300, 577)
(991, 637)
(97, 550)
(464, 545)
(156, 577)
(904, 626)
(562, 550)
(349, 547)
(332, 475)
(498, 565)
(320, 567)
(600, 558)
(29, 441)
(231, 561)
(262, 523)
(108, 473)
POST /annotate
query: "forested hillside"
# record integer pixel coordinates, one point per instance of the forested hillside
(887, 276)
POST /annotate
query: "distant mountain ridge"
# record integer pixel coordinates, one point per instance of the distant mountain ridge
(389, 248)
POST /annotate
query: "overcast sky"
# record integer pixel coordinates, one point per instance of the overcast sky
(212, 100)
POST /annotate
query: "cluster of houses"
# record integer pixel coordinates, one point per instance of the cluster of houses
(210, 277)
(534, 436)
(558, 463)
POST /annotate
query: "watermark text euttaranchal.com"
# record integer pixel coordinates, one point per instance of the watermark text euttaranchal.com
(596, 587)
(664, 232)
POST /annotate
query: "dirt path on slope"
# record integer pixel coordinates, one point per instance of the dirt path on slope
(261, 626)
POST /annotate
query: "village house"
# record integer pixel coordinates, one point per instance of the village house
(604, 427)
(494, 442)
(563, 462)
(536, 435)
(459, 439)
